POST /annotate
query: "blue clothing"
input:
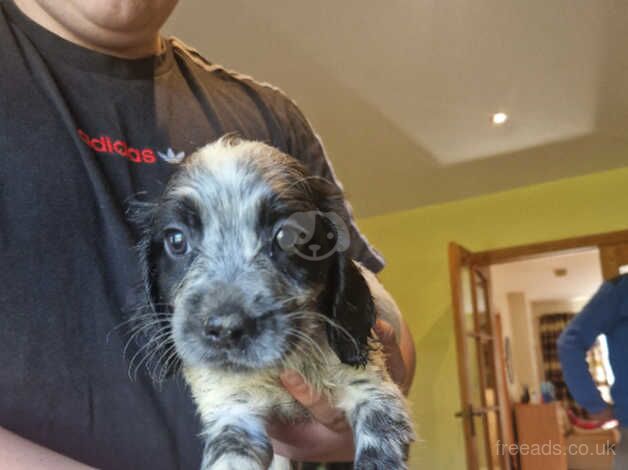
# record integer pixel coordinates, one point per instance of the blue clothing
(606, 313)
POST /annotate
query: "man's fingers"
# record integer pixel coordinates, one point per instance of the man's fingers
(394, 360)
(317, 403)
(311, 441)
(327, 437)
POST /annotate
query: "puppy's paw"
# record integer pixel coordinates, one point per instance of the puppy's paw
(280, 463)
(372, 459)
(383, 432)
(234, 462)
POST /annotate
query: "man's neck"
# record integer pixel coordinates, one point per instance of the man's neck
(116, 43)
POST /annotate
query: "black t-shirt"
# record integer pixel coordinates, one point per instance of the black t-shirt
(82, 134)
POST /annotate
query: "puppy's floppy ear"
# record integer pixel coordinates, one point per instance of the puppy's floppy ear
(352, 309)
(141, 216)
(349, 302)
(148, 315)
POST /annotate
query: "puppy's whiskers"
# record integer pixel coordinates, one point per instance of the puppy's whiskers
(143, 328)
(150, 348)
(327, 320)
(171, 363)
(160, 366)
(308, 340)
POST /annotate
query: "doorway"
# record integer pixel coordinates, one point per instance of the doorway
(484, 346)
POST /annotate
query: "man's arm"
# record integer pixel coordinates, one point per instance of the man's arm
(400, 353)
(17, 453)
(598, 317)
(303, 143)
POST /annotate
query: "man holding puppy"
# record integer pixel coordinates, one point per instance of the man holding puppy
(95, 109)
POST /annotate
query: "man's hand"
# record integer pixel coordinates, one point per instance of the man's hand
(328, 437)
(17, 453)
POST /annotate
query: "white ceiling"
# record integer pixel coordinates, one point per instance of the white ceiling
(537, 279)
(403, 91)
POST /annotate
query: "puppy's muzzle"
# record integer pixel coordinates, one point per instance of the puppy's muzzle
(229, 326)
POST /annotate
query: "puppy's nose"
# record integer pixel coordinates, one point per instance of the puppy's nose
(227, 328)
(218, 333)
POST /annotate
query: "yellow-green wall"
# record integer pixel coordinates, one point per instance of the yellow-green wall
(415, 246)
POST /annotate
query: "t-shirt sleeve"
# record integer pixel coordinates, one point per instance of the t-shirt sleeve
(304, 144)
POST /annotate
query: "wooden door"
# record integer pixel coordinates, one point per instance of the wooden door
(614, 259)
(481, 391)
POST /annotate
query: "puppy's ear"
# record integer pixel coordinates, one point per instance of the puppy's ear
(141, 216)
(352, 311)
(150, 318)
(348, 301)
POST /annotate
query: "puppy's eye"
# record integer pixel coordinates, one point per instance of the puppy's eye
(175, 242)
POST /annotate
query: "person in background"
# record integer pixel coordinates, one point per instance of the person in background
(605, 314)
(96, 108)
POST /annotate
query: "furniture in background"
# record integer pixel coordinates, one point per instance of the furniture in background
(548, 441)
(551, 325)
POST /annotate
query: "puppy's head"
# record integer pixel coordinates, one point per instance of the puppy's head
(251, 254)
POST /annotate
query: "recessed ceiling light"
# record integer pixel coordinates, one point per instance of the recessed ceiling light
(499, 118)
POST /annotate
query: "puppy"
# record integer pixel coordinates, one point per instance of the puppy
(250, 254)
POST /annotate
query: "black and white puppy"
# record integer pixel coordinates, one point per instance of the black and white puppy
(251, 256)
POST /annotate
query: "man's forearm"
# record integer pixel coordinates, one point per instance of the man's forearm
(408, 354)
(576, 373)
(17, 453)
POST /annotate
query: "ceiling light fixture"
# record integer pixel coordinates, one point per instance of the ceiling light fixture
(499, 118)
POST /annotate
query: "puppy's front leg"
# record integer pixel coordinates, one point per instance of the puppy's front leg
(381, 425)
(235, 440)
